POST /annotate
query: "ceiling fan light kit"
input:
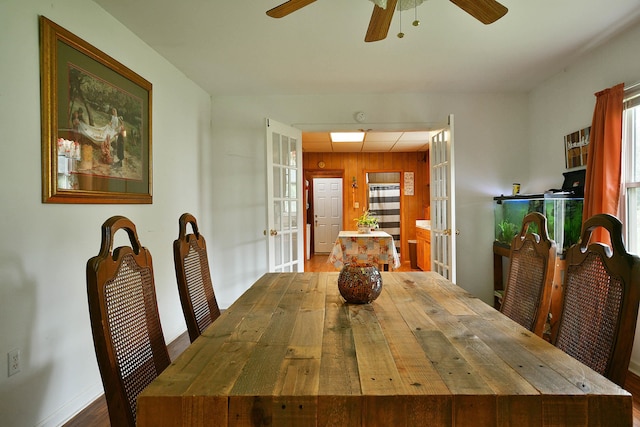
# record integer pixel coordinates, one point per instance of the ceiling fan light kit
(485, 11)
(402, 4)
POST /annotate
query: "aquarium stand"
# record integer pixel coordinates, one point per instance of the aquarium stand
(499, 250)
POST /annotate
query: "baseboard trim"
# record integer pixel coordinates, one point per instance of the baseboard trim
(175, 348)
(632, 384)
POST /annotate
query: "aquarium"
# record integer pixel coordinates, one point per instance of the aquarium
(563, 213)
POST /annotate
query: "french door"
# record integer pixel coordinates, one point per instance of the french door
(285, 223)
(443, 218)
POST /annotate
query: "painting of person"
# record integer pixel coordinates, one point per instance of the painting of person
(120, 145)
(113, 129)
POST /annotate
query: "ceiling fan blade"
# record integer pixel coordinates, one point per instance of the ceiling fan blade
(380, 22)
(288, 7)
(485, 11)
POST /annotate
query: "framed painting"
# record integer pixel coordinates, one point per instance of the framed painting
(96, 124)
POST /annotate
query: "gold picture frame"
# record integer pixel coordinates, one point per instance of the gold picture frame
(96, 124)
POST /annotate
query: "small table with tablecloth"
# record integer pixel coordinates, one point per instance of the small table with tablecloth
(376, 247)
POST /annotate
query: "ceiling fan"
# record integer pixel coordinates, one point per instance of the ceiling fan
(485, 11)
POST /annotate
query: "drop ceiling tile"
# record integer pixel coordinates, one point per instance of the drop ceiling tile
(410, 146)
(415, 136)
(382, 136)
(372, 146)
(316, 147)
(316, 136)
(347, 147)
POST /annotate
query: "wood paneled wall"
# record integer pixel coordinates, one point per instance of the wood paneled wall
(350, 165)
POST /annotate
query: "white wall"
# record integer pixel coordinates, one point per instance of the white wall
(490, 148)
(44, 247)
(565, 103)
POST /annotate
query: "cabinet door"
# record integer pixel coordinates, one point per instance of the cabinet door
(427, 253)
(420, 253)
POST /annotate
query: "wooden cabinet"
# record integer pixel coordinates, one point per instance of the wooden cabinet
(423, 248)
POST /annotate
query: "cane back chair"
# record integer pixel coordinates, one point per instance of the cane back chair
(127, 335)
(600, 301)
(527, 295)
(198, 299)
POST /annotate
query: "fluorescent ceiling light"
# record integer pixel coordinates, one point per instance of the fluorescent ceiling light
(347, 136)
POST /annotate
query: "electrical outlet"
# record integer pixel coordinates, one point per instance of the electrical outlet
(14, 361)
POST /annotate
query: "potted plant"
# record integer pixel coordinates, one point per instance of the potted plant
(366, 223)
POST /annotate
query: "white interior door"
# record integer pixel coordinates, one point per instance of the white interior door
(327, 211)
(443, 218)
(284, 198)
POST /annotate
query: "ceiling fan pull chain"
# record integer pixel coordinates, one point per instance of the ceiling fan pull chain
(400, 34)
(416, 21)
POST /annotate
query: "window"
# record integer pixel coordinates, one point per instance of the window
(631, 168)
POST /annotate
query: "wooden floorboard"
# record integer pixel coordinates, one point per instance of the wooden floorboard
(96, 414)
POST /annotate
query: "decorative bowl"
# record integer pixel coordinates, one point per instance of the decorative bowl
(359, 283)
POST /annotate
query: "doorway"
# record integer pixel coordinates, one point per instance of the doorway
(313, 177)
(390, 150)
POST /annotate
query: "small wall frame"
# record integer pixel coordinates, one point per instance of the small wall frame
(576, 146)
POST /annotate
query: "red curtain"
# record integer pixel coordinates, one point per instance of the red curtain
(603, 174)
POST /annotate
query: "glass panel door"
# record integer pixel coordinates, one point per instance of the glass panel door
(284, 201)
(443, 224)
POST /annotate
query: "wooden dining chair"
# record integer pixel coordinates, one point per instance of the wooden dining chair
(198, 299)
(527, 296)
(600, 301)
(127, 335)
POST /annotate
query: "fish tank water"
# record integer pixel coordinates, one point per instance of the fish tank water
(562, 210)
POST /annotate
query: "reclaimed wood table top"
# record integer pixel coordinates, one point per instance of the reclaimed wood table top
(291, 352)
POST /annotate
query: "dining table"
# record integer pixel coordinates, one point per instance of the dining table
(291, 352)
(375, 247)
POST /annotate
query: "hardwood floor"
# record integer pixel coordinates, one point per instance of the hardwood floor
(96, 415)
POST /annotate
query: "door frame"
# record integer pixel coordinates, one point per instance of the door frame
(309, 174)
(328, 207)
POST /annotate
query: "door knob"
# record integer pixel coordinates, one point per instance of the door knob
(273, 232)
